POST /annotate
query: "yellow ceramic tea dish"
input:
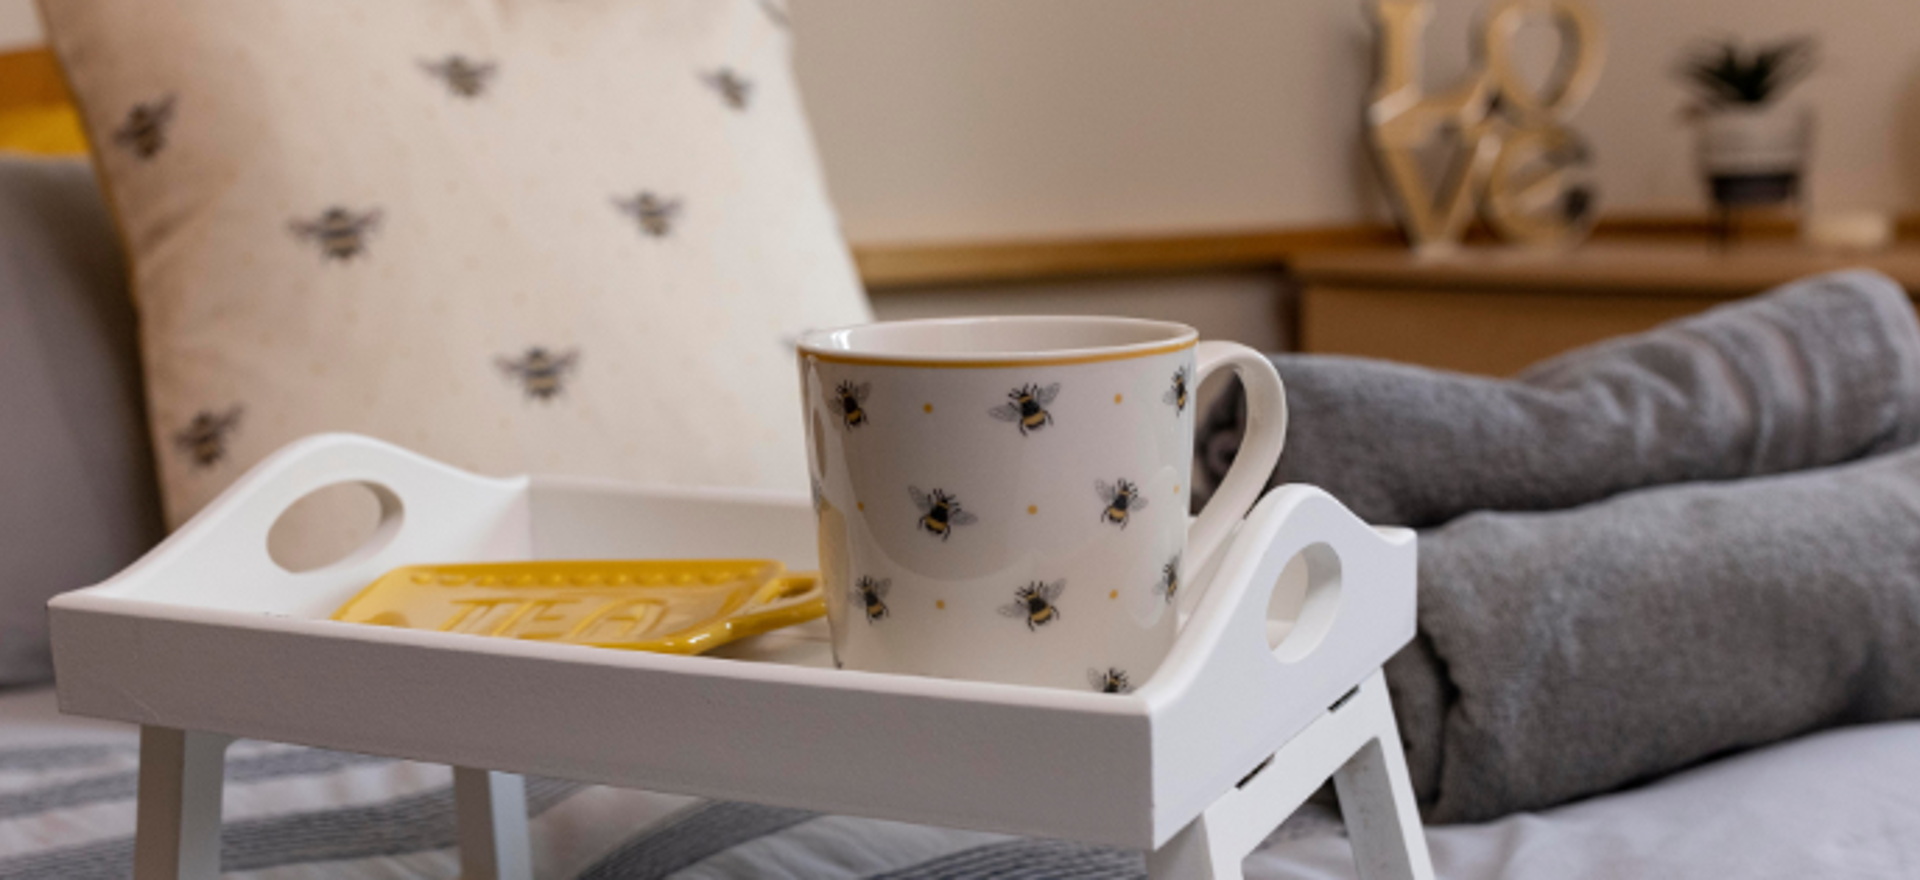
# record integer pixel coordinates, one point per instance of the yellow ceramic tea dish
(668, 606)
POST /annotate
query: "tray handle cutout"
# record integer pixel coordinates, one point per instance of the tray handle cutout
(1303, 590)
(1305, 600)
(328, 526)
(430, 512)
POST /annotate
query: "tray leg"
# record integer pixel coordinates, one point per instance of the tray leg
(1355, 744)
(491, 809)
(1376, 798)
(177, 830)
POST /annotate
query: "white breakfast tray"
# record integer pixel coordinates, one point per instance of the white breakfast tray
(206, 639)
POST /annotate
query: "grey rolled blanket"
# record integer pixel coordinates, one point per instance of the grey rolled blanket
(1822, 371)
(1569, 653)
(1643, 553)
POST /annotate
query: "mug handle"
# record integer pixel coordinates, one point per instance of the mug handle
(1259, 448)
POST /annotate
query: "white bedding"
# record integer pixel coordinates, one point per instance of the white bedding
(1841, 804)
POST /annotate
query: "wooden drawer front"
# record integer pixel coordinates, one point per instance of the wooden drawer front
(1491, 333)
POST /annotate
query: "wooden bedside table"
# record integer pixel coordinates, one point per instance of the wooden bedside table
(1496, 310)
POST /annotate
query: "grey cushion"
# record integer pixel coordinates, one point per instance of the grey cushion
(77, 494)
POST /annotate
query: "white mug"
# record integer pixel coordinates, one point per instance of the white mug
(1005, 499)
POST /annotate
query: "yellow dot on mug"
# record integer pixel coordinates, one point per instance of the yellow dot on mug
(926, 407)
(940, 604)
(1114, 594)
(1033, 508)
(1176, 488)
(1116, 398)
(862, 505)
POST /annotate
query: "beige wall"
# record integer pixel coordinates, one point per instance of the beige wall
(993, 119)
(1003, 118)
(18, 27)
(943, 119)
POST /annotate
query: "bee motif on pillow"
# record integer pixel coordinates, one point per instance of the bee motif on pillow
(542, 374)
(654, 213)
(145, 129)
(340, 233)
(464, 78)
(733, 89)
(204, 440)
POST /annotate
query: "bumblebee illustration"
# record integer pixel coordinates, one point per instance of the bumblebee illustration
(204, 439)
(341, 234)
(845, 403)
(541, 373)
(732, 87)
(1026, 406)
(940, 512)
(145, 130)
(655, 214)
(1177, 395)
(872, 594)
(464, 78)
(1123, 500)
(1169, 585)
(1035, 603)
(1109, 681)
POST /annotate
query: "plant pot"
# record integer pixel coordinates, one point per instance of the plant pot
(1754, 156)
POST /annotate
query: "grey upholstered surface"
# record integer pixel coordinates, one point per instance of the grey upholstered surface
(77, 495)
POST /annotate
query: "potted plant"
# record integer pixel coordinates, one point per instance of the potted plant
(1751, 148)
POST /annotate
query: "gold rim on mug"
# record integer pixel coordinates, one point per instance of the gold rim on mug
(836, 346)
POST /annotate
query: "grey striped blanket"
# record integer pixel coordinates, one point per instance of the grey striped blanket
(67, 789)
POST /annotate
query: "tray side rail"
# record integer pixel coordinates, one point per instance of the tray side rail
(1226, 700)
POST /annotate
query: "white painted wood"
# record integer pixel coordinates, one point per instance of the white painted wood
(491, 809)
(1376, 797)
(206, 634)
(1357, 746)
(178, 813)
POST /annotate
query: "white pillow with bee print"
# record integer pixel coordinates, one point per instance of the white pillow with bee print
(521, 236)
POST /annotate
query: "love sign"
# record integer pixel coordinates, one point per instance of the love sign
(1504, 141)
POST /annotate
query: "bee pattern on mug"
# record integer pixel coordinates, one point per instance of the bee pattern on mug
(1169, 585)
(1177, 395)
(341, 234)
(654, 213)
(1035, 603)
(145, 129)
(845, 403)
(542, 374)
(1109, 681)
(733, 89)
(1026, 407)
(204, 439)
(464, 78)
(940, 512)
(872, 595)
(1123, 500)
